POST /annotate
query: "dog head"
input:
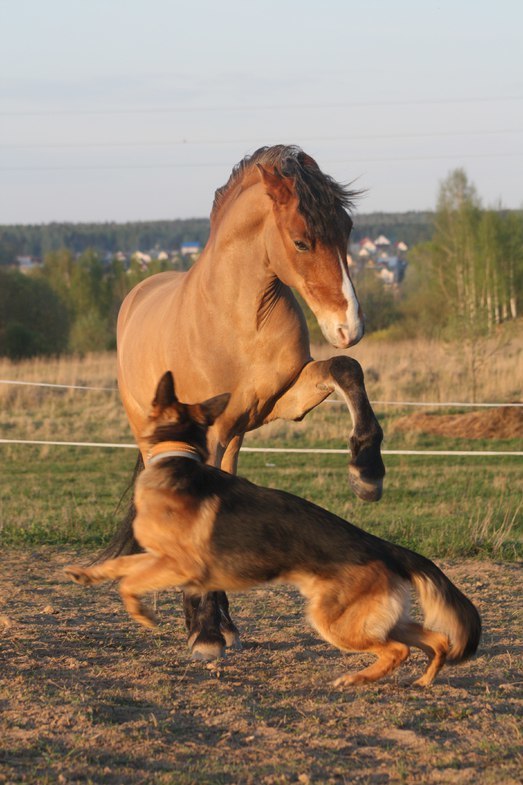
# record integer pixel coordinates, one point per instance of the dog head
(171, 420)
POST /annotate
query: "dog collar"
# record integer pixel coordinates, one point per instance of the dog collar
(173, 450)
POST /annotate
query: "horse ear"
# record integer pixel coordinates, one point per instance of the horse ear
(165, 395)
(275, 186)
(209, 411)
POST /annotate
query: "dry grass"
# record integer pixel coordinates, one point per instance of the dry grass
(96, 370)
(46, 413)
(417, 369)
(424, 370)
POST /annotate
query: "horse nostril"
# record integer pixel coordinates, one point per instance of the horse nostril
(342, 332)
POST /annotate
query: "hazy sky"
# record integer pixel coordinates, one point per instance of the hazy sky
(126, 109)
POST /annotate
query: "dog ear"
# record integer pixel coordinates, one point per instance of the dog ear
(210, 410)
(165, 395)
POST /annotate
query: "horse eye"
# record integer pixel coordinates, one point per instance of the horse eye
(300, 245)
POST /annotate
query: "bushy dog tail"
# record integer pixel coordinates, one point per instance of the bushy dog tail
(445, 608)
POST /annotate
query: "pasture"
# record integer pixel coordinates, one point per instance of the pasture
(89, 697)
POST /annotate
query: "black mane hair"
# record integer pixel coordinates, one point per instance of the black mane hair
(322, 201)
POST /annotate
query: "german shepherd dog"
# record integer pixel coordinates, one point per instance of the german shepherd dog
(205, 530)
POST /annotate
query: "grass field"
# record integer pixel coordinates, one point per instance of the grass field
(88, 697)
(443, 506)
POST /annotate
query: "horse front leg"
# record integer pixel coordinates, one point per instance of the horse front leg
(209, 625)
(317, 380)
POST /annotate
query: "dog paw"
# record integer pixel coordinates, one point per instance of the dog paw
(423, 681)
(349, 680)
(78, 575)
(147, 620)
(143, 615)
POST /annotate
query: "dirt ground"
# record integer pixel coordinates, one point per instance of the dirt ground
(506, 422)
(89, 697)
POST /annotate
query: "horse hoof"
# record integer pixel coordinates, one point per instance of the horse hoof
(367, 490)
(232, 639)
(205, 649)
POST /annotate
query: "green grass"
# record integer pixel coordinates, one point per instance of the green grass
(441, 506)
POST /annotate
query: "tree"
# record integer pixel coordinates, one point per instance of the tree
(473, 268)
(377, 301)
(33, 319)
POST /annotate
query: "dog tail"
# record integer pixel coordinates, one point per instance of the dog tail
(445, 607)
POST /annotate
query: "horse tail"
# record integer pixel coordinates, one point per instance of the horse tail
(123, 542)
(445, 608)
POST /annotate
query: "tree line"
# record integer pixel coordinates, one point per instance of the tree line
(108, 238)
(39, 240)
(463, 281)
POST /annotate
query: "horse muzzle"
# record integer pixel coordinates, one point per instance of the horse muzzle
(342, 336)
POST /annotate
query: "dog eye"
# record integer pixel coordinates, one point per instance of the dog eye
(300, 245)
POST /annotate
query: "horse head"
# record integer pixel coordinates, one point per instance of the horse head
(306, 243)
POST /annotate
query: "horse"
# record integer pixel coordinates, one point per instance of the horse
(232, 323)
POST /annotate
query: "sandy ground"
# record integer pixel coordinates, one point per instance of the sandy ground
(89, 697)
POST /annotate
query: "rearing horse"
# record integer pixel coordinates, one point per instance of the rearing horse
(231, 324)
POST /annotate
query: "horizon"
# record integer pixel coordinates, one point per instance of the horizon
(355, 215)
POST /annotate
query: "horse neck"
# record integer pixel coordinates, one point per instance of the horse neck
(234, 265)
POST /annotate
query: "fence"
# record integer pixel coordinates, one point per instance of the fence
(302, 450)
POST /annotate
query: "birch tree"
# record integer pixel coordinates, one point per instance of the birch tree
(477, 264)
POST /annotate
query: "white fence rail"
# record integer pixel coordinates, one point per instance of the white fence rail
(296, 450)
(430, 404)
(303, 450)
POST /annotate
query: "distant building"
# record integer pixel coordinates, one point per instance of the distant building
(382, 241)
(28, 263)
(190, 249)
(387, 260)
(387, 276)
(368, 245)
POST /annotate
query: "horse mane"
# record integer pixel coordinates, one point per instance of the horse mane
(322, 201)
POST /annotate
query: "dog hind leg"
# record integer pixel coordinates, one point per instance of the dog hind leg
(363, 626)
(435, 645)
(390, 655)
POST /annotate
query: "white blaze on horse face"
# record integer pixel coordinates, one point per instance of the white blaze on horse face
(350, 331)
(354, 321)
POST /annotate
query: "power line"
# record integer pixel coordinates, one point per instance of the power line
(186, 142)
(207, 165)
(258, 107)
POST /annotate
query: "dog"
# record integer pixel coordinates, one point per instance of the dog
(205, 530)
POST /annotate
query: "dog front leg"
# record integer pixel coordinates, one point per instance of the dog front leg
(109, 570)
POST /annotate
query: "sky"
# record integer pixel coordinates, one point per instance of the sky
(123, 110)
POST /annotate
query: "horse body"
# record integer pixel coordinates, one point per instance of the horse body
(231, 324)
(254, 363)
